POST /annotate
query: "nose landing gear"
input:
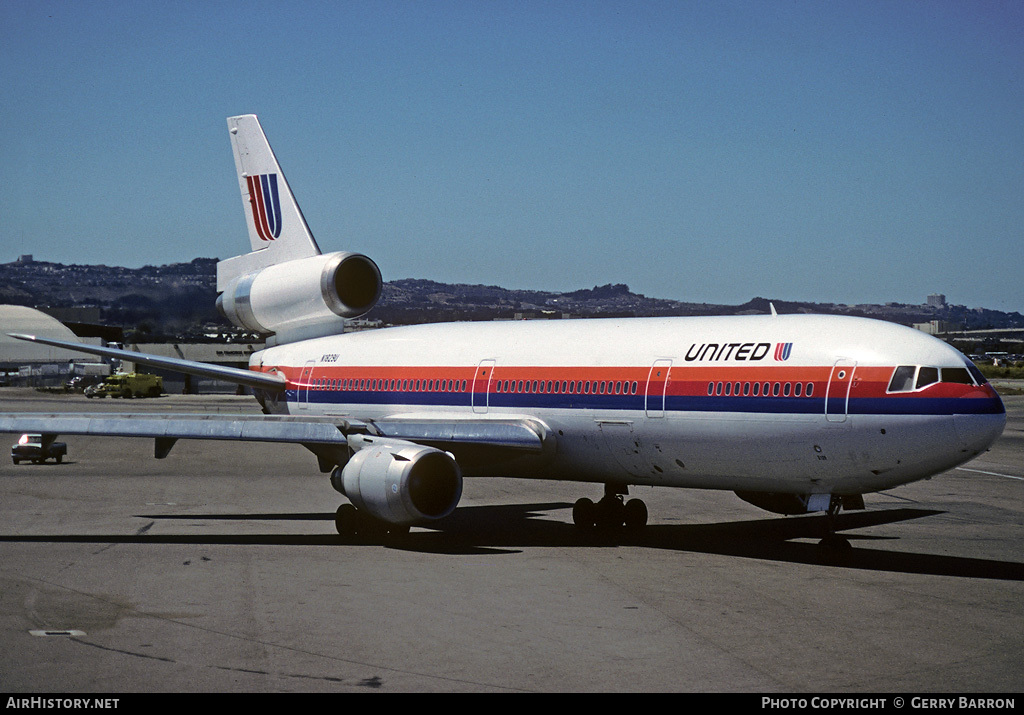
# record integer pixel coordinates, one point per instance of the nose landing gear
(833, 542)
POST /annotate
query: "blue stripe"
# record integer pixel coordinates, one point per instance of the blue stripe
(271, 203)
(749, 405)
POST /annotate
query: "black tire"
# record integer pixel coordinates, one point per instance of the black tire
(610, 513)
(584, 513)
(634, 514)
(347, 520)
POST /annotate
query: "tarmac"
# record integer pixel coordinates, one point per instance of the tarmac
(218, 569)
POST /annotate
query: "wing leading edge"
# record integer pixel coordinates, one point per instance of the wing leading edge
(238, 376)
(325, 438)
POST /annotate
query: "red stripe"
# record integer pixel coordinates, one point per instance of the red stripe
(258, 209)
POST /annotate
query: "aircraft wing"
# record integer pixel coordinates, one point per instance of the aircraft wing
(239, 376)
(251, 428)
(514, 434)
(323, 436)
(320, 435)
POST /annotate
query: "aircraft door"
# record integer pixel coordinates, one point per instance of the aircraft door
(837, 394)
(481, 389)
(657, 387)
(305, 381)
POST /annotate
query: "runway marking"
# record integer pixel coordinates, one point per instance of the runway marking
(56, 633)
(993, 474)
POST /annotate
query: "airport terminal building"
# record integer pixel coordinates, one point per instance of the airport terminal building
(35, 365)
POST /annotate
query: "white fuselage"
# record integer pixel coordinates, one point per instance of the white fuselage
(796, 404)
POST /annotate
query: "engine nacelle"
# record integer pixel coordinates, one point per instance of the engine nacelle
(305, 298)
(401, 482)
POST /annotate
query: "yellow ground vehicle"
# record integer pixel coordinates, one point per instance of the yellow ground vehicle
(128, 384)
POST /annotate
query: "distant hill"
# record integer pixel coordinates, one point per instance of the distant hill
(177, 300)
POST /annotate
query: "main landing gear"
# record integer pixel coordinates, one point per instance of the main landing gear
(611, 512)
(356, 525)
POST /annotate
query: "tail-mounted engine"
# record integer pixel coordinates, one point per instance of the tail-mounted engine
(302, 299)
(400, 482)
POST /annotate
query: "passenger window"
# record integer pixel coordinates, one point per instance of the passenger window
(902, 379)
(926, 376)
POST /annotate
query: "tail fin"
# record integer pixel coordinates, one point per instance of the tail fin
(277, 229)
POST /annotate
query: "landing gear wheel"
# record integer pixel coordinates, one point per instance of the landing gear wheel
(395, 532)
(610, 512)
(584, 513)
(835, 543)
(352, 523)
(347, 520)
(634, 515)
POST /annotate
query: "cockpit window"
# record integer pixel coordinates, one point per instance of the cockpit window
(957, 375)
(976, 373)
(926, 376)
(902, 379)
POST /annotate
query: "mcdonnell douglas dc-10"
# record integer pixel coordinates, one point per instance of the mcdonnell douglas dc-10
(794, 413)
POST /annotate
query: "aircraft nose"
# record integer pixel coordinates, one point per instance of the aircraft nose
(978, 432)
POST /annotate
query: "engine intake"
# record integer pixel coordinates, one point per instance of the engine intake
(402, 482)
(305, 298)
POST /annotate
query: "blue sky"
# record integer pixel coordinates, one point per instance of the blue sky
(702, 151)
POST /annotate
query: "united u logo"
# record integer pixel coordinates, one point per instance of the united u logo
(782, 351)
(266, 205)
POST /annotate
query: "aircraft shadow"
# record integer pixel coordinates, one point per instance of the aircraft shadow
(502, 529)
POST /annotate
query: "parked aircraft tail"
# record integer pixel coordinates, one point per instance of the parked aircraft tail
(284, 287)
(277, 229)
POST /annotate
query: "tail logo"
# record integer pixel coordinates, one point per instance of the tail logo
(266, 205)
(782, 351)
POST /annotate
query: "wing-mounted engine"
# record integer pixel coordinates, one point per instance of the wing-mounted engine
(302, 299)
(400, 482)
